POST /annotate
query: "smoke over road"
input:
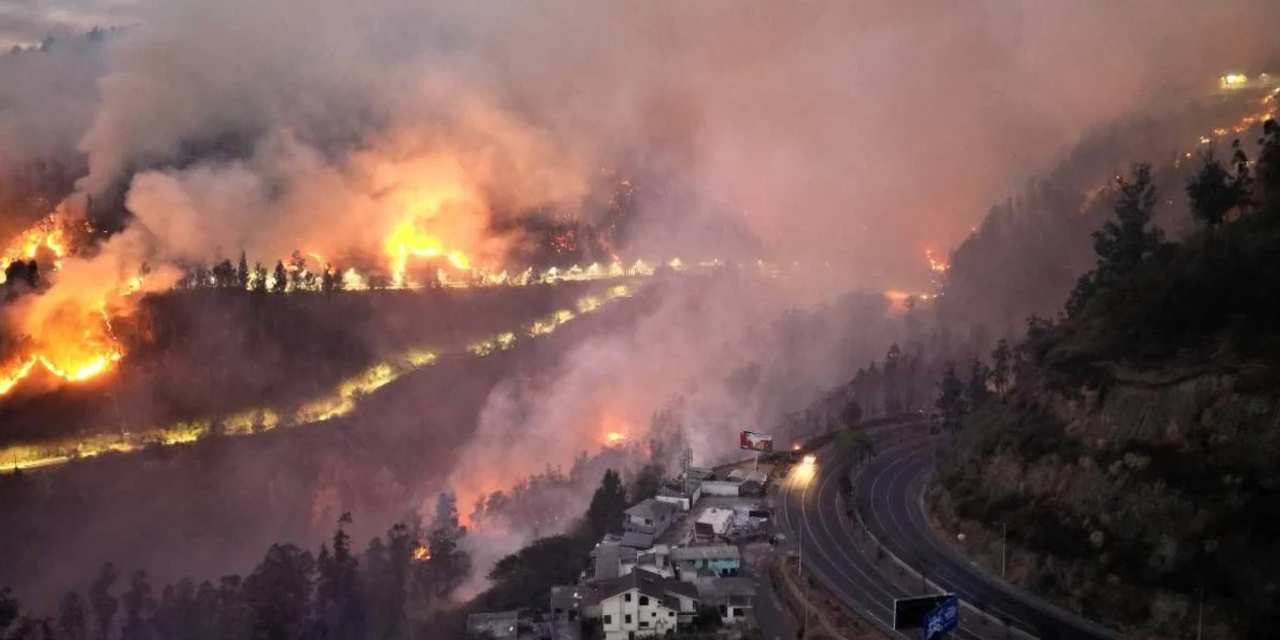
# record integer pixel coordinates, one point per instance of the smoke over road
(851, 136)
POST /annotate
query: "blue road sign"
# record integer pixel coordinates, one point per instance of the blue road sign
(942, 619)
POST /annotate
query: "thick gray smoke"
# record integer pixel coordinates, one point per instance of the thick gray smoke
(854, 132)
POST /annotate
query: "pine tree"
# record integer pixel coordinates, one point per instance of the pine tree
(892, 394)
(104, 605)
(604, 514)
(278, 593)
(139, 609)
(1213, 191)
(951, 397)
(1268, 169)
(339, 602)
(298, 274)
(976, 393)
(281, 278)
(1123, 242)
(242, 273)
(1001, 360)
(73, 620)
(259, 278)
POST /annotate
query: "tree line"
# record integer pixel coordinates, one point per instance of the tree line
(391, 590)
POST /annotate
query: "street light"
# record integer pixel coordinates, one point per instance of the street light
(804, 474)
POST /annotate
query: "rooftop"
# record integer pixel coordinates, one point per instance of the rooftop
(651, 509)
(712, 552)
(648, 583)
(726, 587)
(637, 540)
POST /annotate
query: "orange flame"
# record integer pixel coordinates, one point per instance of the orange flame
(72, 346)
(421, 553)
(48, 234)
(936, 265)
(406, 240)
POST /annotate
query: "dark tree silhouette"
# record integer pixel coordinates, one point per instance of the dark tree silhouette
(604, 514)
(73, 620)
(1123, 242)
(242, 273)
(281, 278)
(1002, 362)
(951, 397)
(139, 609)
(104, 604)
(278, 593)
(1213, 191)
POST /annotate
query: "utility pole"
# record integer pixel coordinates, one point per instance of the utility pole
(804, 586)
(1200, 615)
(1004, 547)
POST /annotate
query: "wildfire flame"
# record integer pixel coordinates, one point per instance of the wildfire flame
(613, 437)
(74, 341)
(936, 265)
(421, 553)
(48, 234)
(406, 240)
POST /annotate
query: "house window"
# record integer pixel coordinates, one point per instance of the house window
(644, 625)
(608, 619)
(644, 600)
(626, 598)
(627, 619)
(671, 614)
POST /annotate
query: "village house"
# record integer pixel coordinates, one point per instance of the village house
(717, 560)
(649, 516)
(732, 598)
(643, 603)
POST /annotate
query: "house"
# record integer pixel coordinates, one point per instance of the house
(656, 560)
(712, 523)
(681, 498)
(720, 487)
(573, 602)
(753, 484)
(609, 560)
(636, 540)
(643, 604)
(649, 516)
(733, 598)
(500, 625)
(719, 560)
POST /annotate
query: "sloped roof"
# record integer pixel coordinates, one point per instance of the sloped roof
(712, 552)
(651, 509)
(649, 584)
(637, 540)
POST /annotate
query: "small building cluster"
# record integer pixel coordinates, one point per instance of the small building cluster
(676, 565)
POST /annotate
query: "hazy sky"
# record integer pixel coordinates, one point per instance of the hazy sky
(854, 133)
(27, 22)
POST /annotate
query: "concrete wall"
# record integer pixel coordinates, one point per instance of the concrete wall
(657, 619)
(719, 488)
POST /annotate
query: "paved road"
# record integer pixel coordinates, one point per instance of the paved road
(889, 501)
(809, 512)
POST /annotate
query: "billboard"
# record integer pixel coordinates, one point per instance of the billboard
(942, 619)
(755, 441)
(909, 613)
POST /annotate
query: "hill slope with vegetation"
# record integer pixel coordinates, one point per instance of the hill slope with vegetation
(1133, 459)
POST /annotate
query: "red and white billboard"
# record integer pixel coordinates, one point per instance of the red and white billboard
(755, 441)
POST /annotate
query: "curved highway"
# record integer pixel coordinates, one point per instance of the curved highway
(889, 491)
(809, 511)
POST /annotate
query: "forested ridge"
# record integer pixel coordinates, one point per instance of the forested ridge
(1131, 453)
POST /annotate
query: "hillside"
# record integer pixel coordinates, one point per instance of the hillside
(1028, 251)
(1134, 460)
